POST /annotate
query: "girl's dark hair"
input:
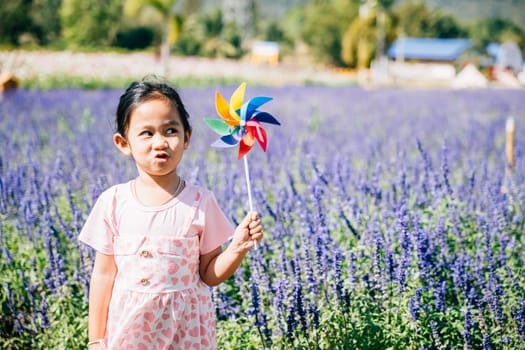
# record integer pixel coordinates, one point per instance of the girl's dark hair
(142, 91)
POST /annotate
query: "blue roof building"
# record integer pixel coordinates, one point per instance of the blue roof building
(493, 49)
(428, 49)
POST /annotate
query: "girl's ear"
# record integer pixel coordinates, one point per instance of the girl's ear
(187, 137)
(122, 144)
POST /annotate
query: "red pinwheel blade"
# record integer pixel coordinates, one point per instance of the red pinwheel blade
(244, 148)
(256, 129)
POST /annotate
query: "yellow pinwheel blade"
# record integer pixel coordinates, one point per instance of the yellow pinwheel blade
(237, 99)
(223, 109)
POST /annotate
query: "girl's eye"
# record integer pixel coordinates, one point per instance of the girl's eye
(171, 131)
(146, 133)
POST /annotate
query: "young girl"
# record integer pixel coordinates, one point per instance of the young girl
(158, 239)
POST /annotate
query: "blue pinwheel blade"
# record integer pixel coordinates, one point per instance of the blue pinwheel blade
(249, 107)
(225, 141)
(258, 101)
(265, 117)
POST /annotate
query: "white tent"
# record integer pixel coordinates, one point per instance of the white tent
(469, 77)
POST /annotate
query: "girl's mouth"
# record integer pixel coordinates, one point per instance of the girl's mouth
(161, 156)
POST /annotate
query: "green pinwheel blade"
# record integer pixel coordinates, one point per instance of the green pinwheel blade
(218, 125)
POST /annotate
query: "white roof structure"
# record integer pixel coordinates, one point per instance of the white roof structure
(469, 77)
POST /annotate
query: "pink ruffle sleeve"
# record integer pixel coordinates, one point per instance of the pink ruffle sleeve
(217, 229)
(100, 227)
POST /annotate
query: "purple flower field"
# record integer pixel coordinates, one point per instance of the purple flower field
(385, 221)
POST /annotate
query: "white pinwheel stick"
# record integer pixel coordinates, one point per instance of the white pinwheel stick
(249, 188)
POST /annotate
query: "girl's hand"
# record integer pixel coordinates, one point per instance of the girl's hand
(248, 232)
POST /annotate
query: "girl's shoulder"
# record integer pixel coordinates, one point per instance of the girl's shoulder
(196, 192)
(115, 193)
(201, 196)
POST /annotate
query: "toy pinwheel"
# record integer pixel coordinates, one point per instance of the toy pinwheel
(240, 124)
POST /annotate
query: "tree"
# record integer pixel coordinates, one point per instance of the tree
(417, 20)
(324, 25)
(499, 30)
(241, 12)
(208, 35)
(89, 23)
(15, 20)
(359, 42)
(361, 39)
(274, 32)
(171, 22)
(46, 20)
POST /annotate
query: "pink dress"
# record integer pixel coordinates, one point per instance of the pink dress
(158, 299)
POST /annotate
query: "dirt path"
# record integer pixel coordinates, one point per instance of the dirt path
(32, 64)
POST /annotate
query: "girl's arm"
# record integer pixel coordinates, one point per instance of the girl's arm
(217, 266)
(100, 290)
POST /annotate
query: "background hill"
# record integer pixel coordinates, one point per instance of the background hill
(467, 10)
(470, 10)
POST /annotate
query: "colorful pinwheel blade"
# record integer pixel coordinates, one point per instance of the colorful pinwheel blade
(248, 137)
(244, 149)
(258, 132)
(225, 142)
(236, 100)
(265, 117)
(251, 106)
(223, 110)
(219, 126)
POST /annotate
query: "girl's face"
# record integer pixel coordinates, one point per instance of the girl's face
(155, 138)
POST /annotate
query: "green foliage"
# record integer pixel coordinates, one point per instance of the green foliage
(135, 38)
(164, 7)
(46, 20)
(331, 29)
(324, 25)
(88, 23)
(499, 30)
(15, 20)
(209, 36)
(386, 4)
(50, 320)
(273, 31)
(418, 20)
(359, 43)
(29, 22)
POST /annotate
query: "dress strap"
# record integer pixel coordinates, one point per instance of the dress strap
(113, 212)
(194, 207)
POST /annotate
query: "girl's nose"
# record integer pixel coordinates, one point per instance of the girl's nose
(159, 141)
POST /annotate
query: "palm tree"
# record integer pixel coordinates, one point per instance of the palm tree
(171, 21)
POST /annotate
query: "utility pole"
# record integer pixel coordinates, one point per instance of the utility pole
(240, 12)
